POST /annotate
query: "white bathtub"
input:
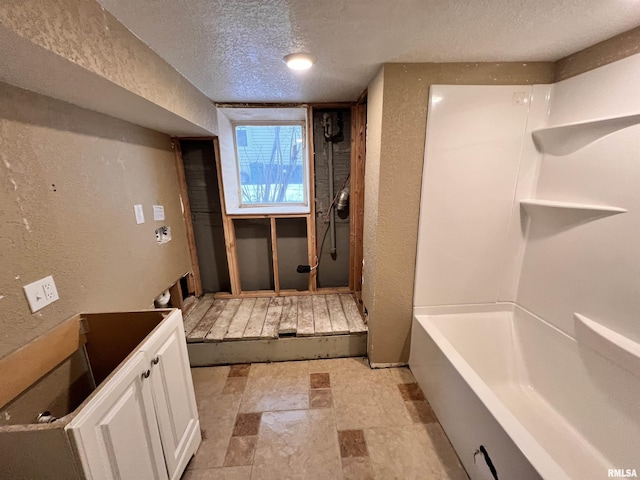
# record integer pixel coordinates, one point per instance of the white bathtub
(542, 405)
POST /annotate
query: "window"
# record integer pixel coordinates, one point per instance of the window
(264, 160)
(270, 164)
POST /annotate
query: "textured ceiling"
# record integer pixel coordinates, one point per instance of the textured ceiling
(232, 49)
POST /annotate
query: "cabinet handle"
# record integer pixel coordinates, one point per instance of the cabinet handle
(146, 374)
(155, 361)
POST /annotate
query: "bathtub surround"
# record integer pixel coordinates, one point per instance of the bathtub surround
(532, 327)
(396, 121)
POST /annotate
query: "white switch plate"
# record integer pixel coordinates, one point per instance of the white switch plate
(41, 293)
(158, 212)
(139, 214)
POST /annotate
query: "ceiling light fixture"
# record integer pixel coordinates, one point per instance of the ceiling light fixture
(299, 61)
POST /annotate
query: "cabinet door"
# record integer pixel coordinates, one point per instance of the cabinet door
(116, 433)
(173, 393)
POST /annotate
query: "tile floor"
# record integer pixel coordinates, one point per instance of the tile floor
(319, 419)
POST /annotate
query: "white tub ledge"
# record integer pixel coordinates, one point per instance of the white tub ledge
(609, 343)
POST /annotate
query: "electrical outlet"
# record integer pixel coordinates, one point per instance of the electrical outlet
(41, 293)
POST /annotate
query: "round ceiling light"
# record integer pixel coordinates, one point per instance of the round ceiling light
(299, 61)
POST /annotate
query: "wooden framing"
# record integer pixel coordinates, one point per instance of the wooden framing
(311, 218)
(176, 294)
(274, 255)
(284, 293)
(358, 136)
(358, 157)
(184, 196)
(229, 230)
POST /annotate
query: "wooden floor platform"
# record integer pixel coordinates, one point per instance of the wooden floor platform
(263, 329)
(218, 320)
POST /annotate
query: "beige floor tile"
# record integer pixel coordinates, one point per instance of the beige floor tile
(411, 392)
(352, 443)
(416, 451)
(209, 380)
(247, 424)
(240, 451)
(357, 468)
(300, 444)
(240, 370)
(369, 405)
(338, 364)
(217, 419)
(276, 386)
(235, 385)
(320, 398)
(319, 380)
(224, 473)
(400, 375)
(279, 368)
(421, 412)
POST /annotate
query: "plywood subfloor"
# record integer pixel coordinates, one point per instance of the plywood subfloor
(225, 320)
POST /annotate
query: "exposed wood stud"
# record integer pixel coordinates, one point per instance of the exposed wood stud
(184, 195)
(176, 295)
(283, 293)
(191, 284)
(219, 329)
(229, 231)
(274, 255)
(311, 219)
(359, 122)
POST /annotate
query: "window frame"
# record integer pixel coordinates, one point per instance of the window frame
(281, 207)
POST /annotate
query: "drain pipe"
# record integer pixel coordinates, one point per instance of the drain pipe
(328, 132)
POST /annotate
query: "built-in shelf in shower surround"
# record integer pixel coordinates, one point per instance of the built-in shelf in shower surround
(566, 139)
(536, 207)
(609, 343)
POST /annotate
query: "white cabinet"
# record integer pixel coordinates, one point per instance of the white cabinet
(143, 422)
(116, 434)
(175, 403)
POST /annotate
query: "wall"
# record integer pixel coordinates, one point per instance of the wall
(602, 53)
(572, 263)
(332, 272)
(391, 219)
(71, 49)
(371, 192)
(206, 214)
(69, 179)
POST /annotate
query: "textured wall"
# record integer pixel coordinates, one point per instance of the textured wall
(371, 193)
(603, 53)
(86, 35)
(69, 179)
(393, 207)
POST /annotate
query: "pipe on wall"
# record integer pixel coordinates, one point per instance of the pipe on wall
(328, 136)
